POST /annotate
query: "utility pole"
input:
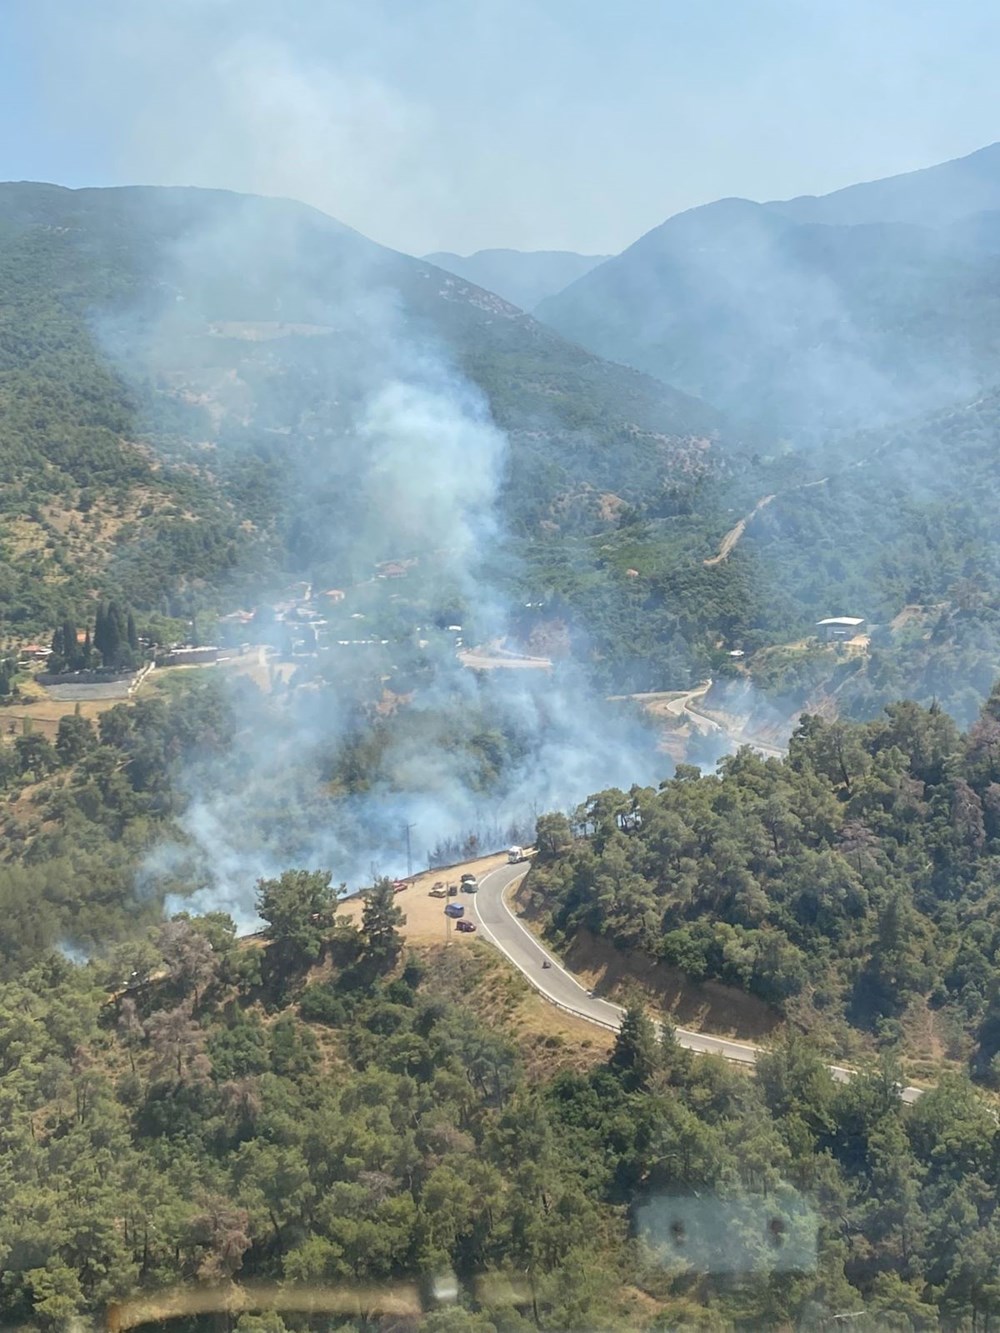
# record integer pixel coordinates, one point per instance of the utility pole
(409, 854)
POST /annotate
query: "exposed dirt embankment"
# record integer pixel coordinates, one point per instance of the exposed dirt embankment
(706, 1006)
(735, 533)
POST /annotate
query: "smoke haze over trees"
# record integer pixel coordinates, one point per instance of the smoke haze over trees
(431, 534)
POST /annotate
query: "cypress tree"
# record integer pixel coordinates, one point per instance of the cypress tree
(133, 635)
(71, 649)
(111, 636)
(101, 631)
(119, 633)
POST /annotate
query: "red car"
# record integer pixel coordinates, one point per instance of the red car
(466, 927)
(398, 885)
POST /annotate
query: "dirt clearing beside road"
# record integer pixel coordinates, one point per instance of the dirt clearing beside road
(426, 922)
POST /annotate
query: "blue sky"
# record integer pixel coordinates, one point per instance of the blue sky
(458, 124)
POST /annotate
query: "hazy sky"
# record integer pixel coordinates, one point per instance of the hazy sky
(458, 124)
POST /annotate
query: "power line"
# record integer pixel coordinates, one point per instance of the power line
(409, 855)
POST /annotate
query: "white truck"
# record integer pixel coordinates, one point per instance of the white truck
(515, 855)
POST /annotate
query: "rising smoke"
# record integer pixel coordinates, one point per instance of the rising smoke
(290, 333)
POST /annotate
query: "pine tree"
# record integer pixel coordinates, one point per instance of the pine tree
(634, 1056)
(379, 921)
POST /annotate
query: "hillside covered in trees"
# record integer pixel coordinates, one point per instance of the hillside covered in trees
(188, 1113)
(334, 1119)
(198, 433)
(810, 316)
(853, 885)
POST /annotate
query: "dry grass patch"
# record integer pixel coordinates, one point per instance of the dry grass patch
(482, 980)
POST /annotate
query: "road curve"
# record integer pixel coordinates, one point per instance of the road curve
(502, 928)
(684, 706)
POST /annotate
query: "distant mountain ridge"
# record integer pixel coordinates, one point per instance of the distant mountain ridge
(811, 316)
(524, 277)
(930, 197)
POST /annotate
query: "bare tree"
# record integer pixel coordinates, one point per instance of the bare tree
(857, 841)
(241, 1104)
(223, 1232)
(188, 955)
(178, 1045)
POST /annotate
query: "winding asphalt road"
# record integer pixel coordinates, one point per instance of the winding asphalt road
(685, 706)
(502, 928)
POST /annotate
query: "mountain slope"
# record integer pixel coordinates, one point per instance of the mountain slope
(217, 350)
(523, 277)
(804, 329)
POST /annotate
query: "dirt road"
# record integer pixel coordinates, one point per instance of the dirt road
(735, 533)
(490, 659)
(684, 705)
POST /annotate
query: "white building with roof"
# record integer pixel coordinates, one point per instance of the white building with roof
(837, 629)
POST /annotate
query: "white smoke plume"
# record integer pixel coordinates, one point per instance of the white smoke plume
(398, 455)
(400, 458)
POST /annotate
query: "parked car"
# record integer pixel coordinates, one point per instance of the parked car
(454, 909)
(398, 885)
(470, 884)
(452, 890)
(439, 890)
(466, 927)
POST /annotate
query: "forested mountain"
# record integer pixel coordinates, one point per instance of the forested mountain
(189, 1115)
(228, 1135)
(900, 530)
(852, 885)
(76, 481)
(524, 277)
(190, 365)
(891, 525)
(815, 316)
(318, 1111)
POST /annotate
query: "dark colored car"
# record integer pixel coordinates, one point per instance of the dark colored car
(466, 927)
